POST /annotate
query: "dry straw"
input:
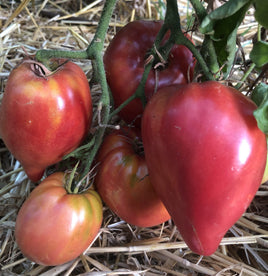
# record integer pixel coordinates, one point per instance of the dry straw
(119, 249)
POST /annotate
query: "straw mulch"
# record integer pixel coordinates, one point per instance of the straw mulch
(119, 249)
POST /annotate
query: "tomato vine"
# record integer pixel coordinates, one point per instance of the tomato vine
(94, 53)
(214, 59)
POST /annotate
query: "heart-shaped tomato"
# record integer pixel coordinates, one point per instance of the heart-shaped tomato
(54, 226)
(206, 158)
(44, 117)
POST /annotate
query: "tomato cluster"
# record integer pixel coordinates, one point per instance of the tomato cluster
(196, 152)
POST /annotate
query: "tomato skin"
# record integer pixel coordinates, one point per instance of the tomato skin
(205, 156)
(123, 183)
(124, 62)
(54, 227)
(43, 119)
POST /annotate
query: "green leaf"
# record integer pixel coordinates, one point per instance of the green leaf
(259, 92)
(261, 12)
(259, 53)
(225, 11)
(222, 25)
(226, 49)
(261, 115)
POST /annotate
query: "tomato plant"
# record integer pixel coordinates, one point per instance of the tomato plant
(126, 57)
(123, 182)
(53, 226)
(206, 158)
(44, 117)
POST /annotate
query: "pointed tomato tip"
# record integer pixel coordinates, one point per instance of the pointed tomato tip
(204, 248)
(34, 174)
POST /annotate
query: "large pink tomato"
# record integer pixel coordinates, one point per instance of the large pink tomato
(53, 226)
(125, 59)
(206, 158)
(44, 117)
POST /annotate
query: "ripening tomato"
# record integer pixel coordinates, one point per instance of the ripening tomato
(123, 183)
(44, 117)
(53, 226)
(206, 158)
(125, 59)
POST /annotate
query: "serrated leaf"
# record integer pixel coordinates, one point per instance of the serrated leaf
(259, 53)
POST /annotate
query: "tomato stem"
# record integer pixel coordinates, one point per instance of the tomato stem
(44, 56)
(245, 76)
(93, 52)
(96, 44)
(172, 21)
(70, 178)
(207, 49)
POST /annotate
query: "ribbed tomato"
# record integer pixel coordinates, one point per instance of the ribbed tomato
(206, 158)
(123, 182)
(53, 226)
(44, 117)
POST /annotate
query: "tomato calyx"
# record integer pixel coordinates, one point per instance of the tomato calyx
(40, 70)
(158, 61)
(135, 142)
(138, 147)
(74, 184)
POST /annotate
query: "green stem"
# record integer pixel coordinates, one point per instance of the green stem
(96, 44)
(199, 9)
(207, 49)
(44, 56)
(181, 39)
(93, 52)
(250, 69)
(70, 179)
(105, 103)
(99, 37)
(172, 23)
(172, 20)
(139, 93)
